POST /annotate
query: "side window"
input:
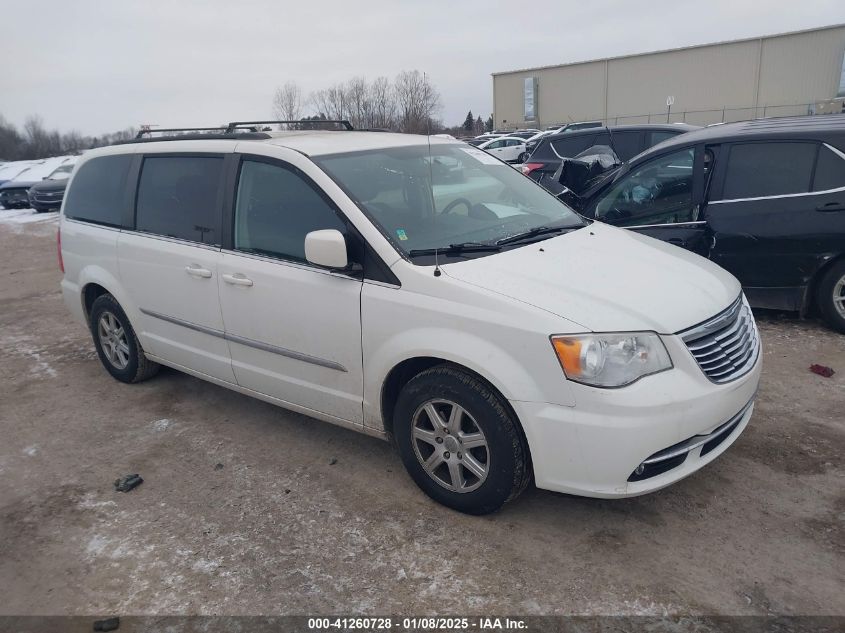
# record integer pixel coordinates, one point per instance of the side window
(653, 138)
(830, 170)
(276, 208)
(177, 197)
(494, 145)
(543, 151)
(98, 190)
(755, 170)
(569, 147)
(658, 192)
(627, 144)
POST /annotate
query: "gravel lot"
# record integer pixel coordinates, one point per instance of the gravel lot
(242, 511)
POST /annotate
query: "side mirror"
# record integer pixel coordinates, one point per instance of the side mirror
(326, 248)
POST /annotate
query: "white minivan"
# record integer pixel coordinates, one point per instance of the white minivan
(416, 289)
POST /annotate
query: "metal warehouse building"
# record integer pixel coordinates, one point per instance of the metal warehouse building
(776, 75)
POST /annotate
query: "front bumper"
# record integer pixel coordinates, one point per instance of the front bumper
(594, 448)
(14, 198)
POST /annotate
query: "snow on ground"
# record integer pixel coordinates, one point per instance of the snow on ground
(18, 219)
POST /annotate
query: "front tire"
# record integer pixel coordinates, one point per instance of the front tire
(830, 296)
(117, 345)
(459, 441)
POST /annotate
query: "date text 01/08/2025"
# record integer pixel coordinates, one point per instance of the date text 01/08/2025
(452, 624)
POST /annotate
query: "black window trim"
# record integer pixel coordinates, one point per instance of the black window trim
(719, 191)
(374, 268)
(135, 172)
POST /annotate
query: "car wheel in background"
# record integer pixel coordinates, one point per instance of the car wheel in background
(831, 296)
(522, 157)
(459, 441)
(117, 346)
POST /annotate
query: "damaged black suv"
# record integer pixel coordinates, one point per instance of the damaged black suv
(764, 199)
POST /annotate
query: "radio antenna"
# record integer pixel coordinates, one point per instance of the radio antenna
(437, 272)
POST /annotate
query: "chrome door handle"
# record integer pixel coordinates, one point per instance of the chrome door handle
(237, 279)
(198, 271)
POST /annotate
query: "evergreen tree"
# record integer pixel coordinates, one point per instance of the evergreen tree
(489, 124)
(469, 122)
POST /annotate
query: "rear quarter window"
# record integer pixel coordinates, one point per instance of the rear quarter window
(830, 170)
(97, 192)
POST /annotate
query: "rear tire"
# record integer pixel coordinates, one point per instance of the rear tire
(830, 296)
(117, 345)
(459, 441)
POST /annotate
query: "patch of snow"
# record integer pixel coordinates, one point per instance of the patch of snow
(89, 502)
(162, 425)
(96, 545)
(32, 451)
(205, 566)
(22, 346)
(16, 217)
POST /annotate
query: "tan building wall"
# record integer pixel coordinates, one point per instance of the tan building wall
(776, 75)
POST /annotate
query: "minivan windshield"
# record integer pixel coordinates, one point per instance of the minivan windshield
(445, 196)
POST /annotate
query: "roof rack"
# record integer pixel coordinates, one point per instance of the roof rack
(144, 131)
(306, 123)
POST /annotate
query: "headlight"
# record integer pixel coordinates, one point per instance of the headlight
(611, 360)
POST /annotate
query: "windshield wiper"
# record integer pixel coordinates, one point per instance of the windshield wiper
(463, 247)
(536, 231)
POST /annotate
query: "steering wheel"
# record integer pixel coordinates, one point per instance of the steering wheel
(451, 206)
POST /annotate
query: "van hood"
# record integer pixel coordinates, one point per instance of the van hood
(607, 280)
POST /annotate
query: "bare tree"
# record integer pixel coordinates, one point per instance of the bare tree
(287, 102)
(417, 102)
(331, 101)
(358, 99)
(382, 104)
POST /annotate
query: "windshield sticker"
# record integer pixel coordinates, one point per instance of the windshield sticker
(481, 156)
(401, 234)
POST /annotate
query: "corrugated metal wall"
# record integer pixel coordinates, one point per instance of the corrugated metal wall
(771, 76)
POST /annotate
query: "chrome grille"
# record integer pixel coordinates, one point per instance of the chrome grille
(726, 346)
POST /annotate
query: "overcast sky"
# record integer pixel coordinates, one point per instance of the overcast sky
(100, 66)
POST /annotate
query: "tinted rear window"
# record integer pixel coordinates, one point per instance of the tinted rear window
(177, 197)
(658, 137)
(830, 170)
(627, 144)
(97, 193)
(569, 147)
(768, 169)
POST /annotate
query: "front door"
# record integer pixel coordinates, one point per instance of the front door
(661, 198)
(294, 330)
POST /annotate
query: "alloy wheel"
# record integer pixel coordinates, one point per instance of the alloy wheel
(450, 446)
(839, 296)
(113, 340)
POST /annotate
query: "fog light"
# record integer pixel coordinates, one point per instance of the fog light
(640, 469)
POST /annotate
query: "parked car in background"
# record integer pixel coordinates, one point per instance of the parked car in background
(479, 140)
(479, 323)
(48, 194)
(506, 148)
(13, 169)
(626, 141)
(764, 199)
(14, 192)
